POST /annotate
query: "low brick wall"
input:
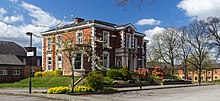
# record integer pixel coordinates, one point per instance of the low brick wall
(176, 82)
(128, 85)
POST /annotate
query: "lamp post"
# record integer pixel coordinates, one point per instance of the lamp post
(139, 67)
(30, 34)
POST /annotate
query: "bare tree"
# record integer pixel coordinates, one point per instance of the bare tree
(168, 45)
(69, 50)
(199, 47)
(212, 25)
(185, 49)
(152, 56)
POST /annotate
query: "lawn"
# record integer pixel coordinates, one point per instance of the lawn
(46, 82)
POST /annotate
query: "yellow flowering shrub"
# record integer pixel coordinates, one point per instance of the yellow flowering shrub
(79, 89)
(38, 74)
(48, 73)
(58, 90)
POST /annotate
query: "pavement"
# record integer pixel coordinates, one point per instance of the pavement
(37, 92)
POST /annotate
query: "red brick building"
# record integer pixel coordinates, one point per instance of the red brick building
(112, 44)
(210, 74)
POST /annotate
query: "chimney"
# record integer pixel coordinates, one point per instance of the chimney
(78, 20)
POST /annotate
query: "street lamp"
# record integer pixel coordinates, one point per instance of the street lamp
(30, 34)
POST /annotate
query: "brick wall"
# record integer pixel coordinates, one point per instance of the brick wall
(10, 77)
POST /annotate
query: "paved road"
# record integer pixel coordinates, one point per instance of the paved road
(197, 93)
(23, 98)
(201, 93)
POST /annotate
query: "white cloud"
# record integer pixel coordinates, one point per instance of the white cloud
(2, 11)
(149, 33)
(148, 22)
(13, 0)
(43, 18)
(11, 31)
(11, 19)
(200, 8)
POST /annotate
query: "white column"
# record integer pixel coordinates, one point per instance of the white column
(93, 48)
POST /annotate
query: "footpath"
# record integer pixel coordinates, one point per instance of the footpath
(37, 92)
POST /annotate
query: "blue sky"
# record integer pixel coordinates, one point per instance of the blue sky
(20, 16)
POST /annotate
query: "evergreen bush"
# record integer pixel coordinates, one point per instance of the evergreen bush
(95, 80)
(115, 74)
(125, 73)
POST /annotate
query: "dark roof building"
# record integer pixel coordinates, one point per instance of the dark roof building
(10, 60)
(11, 48)
(12, 66)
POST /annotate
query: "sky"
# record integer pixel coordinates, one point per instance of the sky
(20, 16)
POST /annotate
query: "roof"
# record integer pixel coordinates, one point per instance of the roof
(9, 60)
(11, 48)
(216, 65)
(112, 25)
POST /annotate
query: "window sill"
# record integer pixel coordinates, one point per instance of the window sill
(79, 70)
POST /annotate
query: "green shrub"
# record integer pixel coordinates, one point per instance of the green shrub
(108, 80)
(126, 73)
(115, 74)
(48, 73)
(157, 78)
(116, 67)
(95, 80)
(58, 72)
(58, 90)
(79, 89)
(170, 76)
(38, 74)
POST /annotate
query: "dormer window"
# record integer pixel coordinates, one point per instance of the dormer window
(79, 37)
(105, 38)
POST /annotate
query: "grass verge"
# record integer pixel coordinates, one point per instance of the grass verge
(46, 82)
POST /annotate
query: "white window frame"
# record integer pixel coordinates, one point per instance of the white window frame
(16, 72)
(128, 40)
(4, 72)
(49, 43)
(118, 62)
(59, 62)
(106, 53)
(47, 63)
(59, 42)
(135, 43)
(81, 62)
(106, 38)
(79, 39)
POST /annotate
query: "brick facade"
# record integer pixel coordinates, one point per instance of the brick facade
(108, 43)
(206, 75)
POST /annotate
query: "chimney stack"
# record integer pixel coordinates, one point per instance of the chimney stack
(78, 20)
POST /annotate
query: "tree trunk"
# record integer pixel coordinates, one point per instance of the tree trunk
(185, 71)
(199, 75)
